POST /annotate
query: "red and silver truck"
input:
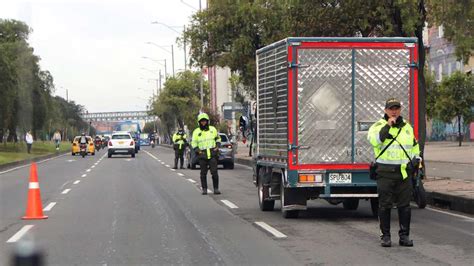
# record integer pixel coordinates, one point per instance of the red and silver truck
(316, 99)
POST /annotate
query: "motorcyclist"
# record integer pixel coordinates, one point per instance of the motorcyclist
(83, 139)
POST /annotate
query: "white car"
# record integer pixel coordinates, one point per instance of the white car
(121, 143)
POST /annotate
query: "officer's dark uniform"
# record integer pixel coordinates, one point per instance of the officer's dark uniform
(205, 143)
(394, 172)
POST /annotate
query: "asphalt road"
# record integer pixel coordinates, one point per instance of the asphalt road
(126, 211)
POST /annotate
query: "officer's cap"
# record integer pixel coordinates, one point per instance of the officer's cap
(392, 102)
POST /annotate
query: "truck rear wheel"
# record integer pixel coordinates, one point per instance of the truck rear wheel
(350, 204)
(264, 193)
(287, 214)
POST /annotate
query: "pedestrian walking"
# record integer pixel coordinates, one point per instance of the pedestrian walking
(206, 144)
(57, 139)
(179, 144)
(29, 141)
(397, 154)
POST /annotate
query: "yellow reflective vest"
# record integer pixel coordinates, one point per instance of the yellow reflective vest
(394, 154)
(179, 139)
(205, 139)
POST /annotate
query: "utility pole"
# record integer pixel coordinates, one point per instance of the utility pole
(200, 75)
(159, 77)
(184, 46)
(172, 58)
(67, 95)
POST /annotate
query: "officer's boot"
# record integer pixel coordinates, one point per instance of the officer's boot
(215, 184)
(175, 163)
(181, 161)
(384, 219)
(404, 217)
(204, 185)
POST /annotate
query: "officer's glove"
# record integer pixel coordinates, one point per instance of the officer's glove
(197, 151)
(416, 162)
(384, 133)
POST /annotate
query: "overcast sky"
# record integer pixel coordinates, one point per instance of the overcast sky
(94, 48)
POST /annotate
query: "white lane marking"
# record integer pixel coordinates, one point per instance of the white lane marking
(153, 156)
(28, 165)
(209, 191)
(180, 174)
(88, 170)
(49, 207)
(84, 175)
(76, 182)
(167, 165)
(452, 214)
(93, 166)
(173, 170)
(69, 161)
(271, 230)
(190, 180)
(20, 233)
(66, 191)
(162, 162)
(230, 204)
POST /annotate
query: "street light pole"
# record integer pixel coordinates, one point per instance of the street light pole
(172, 58)
(184, 39)
(200, 74)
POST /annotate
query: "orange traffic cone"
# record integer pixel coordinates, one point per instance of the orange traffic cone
(34, 208)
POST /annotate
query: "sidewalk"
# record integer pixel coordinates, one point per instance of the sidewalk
(446, 192)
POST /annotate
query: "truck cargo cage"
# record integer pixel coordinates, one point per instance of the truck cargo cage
(317, 98)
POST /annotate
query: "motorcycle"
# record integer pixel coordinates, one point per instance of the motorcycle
(152, 143)
(419, 193)
(83, 149)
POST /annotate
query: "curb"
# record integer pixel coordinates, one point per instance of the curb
(246, 162)
(450, 202)
(8, 166)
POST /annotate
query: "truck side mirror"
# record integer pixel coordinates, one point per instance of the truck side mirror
(243, 122)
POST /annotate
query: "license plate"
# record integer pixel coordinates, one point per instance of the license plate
(120, 142)
(340, 178)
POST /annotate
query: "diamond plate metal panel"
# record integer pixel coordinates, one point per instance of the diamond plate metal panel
(324, 105)
(380, 74)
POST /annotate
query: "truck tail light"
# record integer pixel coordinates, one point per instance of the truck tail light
(110, 143)
(310, 178)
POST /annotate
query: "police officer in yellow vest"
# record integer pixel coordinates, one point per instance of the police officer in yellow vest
(394, 169)
(179, 144)
(206, 142)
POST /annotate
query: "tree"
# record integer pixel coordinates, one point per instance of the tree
(457, 18)
(179, 102)
(149, 127)
(456, 99)
(432, 94)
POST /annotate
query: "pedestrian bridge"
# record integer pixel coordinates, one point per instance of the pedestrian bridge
(118, 116)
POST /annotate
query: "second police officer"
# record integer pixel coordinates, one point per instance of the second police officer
(397, 152)
(206, 142)
(179, 144)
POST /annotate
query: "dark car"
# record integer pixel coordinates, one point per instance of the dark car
(226, 154)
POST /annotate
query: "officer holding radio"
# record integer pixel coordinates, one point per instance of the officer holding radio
(397, 152)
